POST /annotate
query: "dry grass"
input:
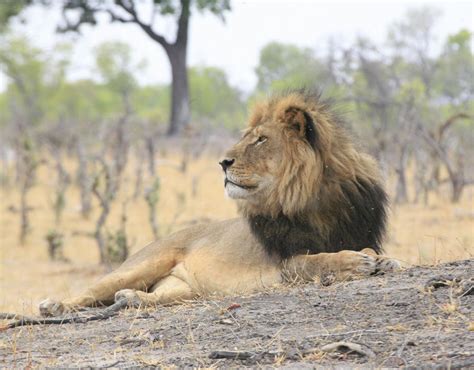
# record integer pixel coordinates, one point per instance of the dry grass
(418, 234)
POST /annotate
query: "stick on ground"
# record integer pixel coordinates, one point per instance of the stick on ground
(25, 320)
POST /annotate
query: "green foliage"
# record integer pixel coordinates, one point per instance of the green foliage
(171, 7)
(115, 69)
(117, 246)
(55, 241)
(288, 66)
(25, 68)
(152, 103)
(152, 195)
(438, 85)
(87, 10)
(82, 101)
(114, 63)
(455, 76)
(460, 40)
(213, 100)
(4, 114)
(10, 9)
(217, 7)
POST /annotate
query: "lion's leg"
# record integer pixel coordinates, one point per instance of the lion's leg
(140, 276)
(167, 291)
(102, 292)
(343, 265)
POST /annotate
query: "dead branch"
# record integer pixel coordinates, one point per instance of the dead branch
(234, 355)
(105, 196)
(152, 197)
(25, 320)
(454, 166)
(448, 123)
(349, 347)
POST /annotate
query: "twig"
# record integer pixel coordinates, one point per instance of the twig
(349, 347)
(441, 281)
(234, 355)
(24, 320)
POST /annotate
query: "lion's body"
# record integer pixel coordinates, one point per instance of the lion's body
(309, 200)
(208, 261)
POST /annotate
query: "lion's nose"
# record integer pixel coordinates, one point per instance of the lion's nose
(226, 163)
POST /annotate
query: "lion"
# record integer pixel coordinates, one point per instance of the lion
(311, 205)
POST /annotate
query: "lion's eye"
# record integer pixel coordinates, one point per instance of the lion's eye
(261, 140)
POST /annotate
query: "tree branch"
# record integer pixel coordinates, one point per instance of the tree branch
(24, 320)
(116, 18)
(449, 122)
(439, 150)
(130, 9)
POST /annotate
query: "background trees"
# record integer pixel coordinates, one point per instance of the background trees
(404, 97)
(77, 13)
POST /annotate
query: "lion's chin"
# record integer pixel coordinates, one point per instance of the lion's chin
(236, 192)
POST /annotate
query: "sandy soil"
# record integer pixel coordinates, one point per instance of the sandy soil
(395, 319)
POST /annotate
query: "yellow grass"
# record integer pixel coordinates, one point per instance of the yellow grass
(418, 234)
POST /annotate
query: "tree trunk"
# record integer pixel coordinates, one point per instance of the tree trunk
(25, 221)
(180, 111)
(176, 51)
(151, 152)
(457, 185)
(401, 194)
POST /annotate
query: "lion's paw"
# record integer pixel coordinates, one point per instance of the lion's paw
(386, 264)
(51, 308)
(133, 300)
(364, 264)
(375, 265)
(361, 264)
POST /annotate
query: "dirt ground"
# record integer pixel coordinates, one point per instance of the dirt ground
(400, 319)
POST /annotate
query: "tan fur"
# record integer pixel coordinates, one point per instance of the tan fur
(226, 258)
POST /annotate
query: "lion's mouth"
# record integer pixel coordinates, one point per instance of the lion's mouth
(246, 187)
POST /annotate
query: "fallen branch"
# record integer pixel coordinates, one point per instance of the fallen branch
(25, 320)
(234, 355)
(349, 347)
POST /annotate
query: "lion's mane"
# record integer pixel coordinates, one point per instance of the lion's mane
(329, 195)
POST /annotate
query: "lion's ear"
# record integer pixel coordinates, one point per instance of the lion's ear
(302, 122)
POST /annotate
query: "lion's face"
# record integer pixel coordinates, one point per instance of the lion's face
(274, 167)
(252, 166)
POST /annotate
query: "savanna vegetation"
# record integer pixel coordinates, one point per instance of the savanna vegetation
(89, 171)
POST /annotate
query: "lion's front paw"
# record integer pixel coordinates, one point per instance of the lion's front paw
(362, 264)
(350, 263)
(49, 308)
(386, 264)
(133, 300)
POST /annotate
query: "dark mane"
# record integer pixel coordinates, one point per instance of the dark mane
(358, 221)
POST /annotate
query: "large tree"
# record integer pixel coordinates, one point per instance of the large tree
(79, 12)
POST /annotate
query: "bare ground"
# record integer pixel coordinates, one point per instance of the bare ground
(402, 319)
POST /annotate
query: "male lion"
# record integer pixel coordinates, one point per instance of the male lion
(309, 202)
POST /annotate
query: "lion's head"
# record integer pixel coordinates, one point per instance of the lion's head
(296, 166)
